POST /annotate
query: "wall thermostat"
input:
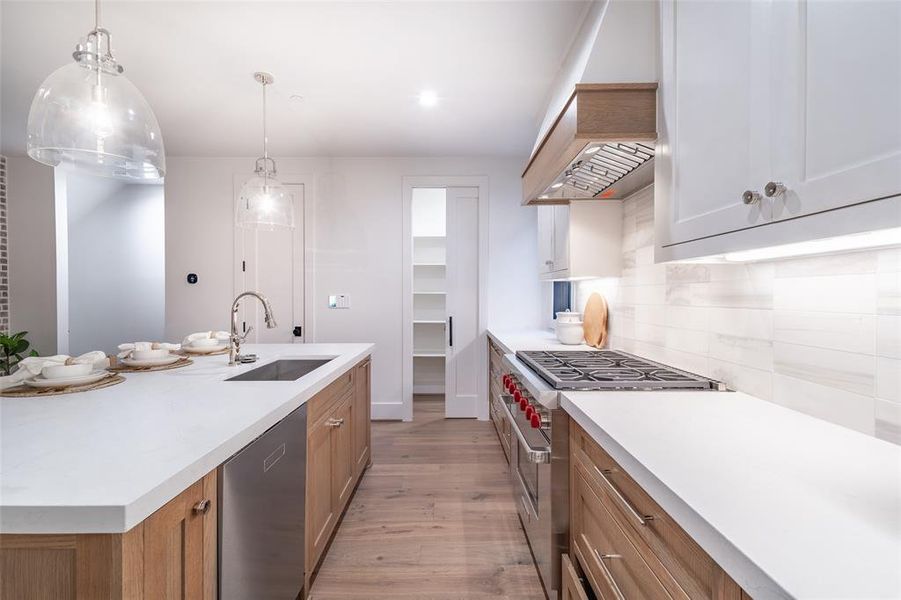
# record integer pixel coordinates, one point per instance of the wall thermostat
(339, 301)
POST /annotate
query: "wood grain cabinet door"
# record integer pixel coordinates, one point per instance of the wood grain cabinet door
(320, 510)
(174, 567)
(362, 408)
(343, 459)
(571, 587)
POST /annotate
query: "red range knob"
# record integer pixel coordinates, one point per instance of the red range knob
(510, 386)
(517, 396)
(529, 412)
(523, 403)
(505, 380)
(536, 420)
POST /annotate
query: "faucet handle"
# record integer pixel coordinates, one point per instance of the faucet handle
(243, 337)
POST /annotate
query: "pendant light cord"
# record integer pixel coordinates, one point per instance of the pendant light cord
(265, 136)
(96, 14)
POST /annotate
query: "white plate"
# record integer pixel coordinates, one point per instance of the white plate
(61, 382)
(205, 349)
(151, 362)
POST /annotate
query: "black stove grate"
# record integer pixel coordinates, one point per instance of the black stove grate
(609, 369)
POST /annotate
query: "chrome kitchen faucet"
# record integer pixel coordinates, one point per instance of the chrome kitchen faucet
(235, 340)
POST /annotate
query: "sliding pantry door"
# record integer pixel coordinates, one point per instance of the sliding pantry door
(462, 332)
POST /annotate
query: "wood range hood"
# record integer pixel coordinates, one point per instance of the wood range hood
(600, 146)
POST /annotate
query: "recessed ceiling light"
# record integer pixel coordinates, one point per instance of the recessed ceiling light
(428, 98)
(295, 97)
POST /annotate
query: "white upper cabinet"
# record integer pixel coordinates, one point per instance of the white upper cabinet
(713, 111)
(836, 103)
(770, 111)
(580, 240)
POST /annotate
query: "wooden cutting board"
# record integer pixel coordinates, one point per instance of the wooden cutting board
(594, 321)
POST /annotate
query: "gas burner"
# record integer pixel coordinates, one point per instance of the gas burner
(610, 369)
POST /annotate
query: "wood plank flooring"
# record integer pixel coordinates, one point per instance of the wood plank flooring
(433, 518)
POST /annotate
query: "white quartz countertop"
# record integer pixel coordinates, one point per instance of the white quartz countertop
(531, 339)
(790, 506)
(102, 461)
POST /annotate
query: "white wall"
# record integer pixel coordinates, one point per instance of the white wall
(32, 252)
(116, 263)
(355, 247)
(429, 209)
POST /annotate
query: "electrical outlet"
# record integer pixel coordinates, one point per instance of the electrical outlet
(339, 301)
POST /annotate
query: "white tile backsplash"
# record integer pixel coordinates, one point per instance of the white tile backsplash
(821, 335)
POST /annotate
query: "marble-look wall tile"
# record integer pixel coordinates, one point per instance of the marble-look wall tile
(888, 421)
(849, 263)
(856, 411)
(687, 317)
(755, 382)
(888, 336)
(834, 368)
(828, 293)
(743, 322)
(747, 351)
(839, 331)
(819, 334)
(888, 378)
(687, 340)
(888, 292)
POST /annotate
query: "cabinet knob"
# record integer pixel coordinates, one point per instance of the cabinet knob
(202, 507)
(750, 197)
(335, 422)
(774, 188)
(549, 263)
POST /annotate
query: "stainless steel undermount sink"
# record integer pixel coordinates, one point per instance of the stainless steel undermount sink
(287, 369)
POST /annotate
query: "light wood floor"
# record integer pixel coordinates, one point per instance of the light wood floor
(433, 518)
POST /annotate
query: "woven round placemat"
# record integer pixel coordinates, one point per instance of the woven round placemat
(24, 391)
(123, 368)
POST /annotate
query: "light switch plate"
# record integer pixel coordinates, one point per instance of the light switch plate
(339, 301)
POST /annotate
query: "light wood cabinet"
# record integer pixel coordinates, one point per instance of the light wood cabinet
(338, 451)
(580, 240)
(495, 373)
(170, 555)
(764, 118)
(362, 415)
(625, 543)
(572, 587)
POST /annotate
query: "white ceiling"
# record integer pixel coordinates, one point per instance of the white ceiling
(358, 65)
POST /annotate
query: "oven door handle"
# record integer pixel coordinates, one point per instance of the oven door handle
(538, 456)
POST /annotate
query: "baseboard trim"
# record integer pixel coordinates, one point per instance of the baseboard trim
(387, 411)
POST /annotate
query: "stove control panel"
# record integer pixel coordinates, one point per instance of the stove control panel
(535, 414)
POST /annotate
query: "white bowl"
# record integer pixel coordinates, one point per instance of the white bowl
(570, 333)
(63, 371)
(150, 354)
(205, 343)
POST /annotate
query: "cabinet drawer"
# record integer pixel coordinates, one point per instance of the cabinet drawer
(571, 587)
(323, 402)
(613, 563)
(643, 518)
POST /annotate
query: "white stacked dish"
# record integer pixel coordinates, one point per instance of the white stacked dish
(60, 376)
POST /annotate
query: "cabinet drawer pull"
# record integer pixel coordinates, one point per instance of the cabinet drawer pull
(334, 422)
(604, 570)
(642, 520)
(202, 507)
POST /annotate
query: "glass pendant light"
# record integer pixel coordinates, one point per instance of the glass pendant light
(88, 116)
(264, 203)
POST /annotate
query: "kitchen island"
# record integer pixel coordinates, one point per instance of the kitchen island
(91, 469)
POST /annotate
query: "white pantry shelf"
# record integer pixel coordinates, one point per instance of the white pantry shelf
(428, 353)
(429, 322)
(429, 293)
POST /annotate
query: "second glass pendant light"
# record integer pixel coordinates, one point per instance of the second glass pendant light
(264, 203)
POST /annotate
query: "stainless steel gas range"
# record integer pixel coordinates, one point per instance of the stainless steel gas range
(539, 452)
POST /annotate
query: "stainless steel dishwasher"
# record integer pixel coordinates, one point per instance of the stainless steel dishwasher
(261, 514)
